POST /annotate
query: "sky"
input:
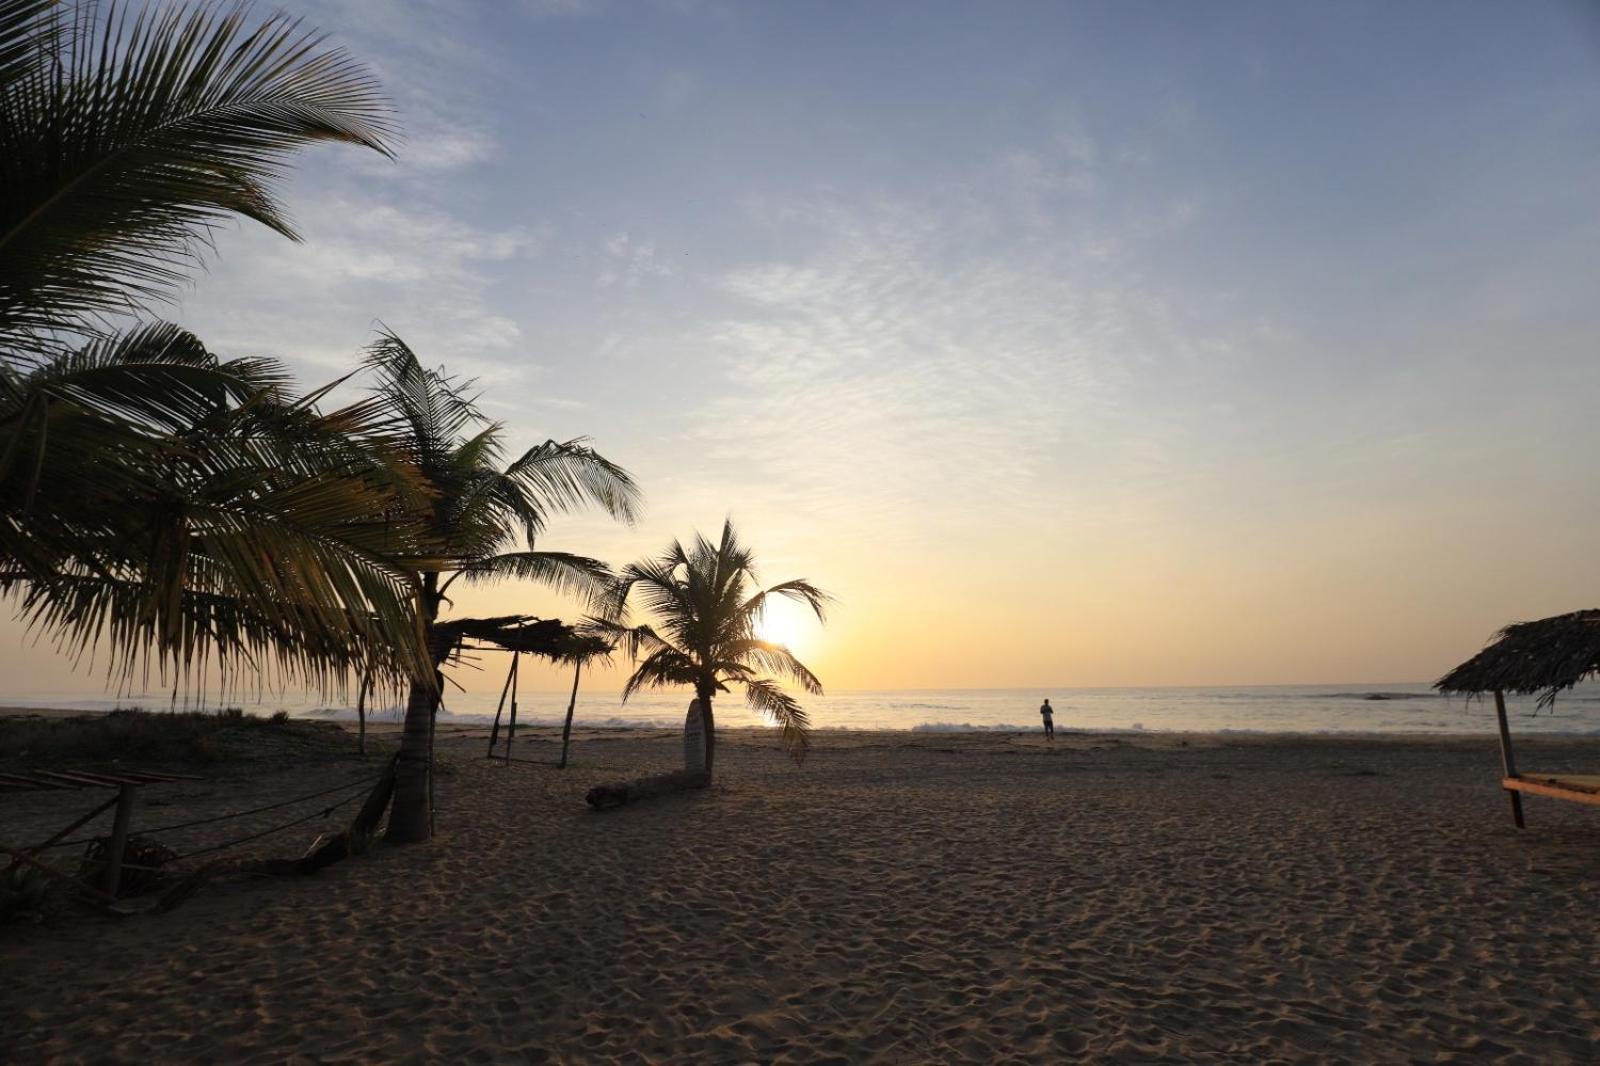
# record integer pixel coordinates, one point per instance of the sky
(1067, 344)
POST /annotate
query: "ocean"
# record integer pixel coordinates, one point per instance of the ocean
(1376, 708)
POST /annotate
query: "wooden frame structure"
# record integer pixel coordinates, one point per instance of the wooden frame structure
(548, 638)
(126, 782)
(1542, 658)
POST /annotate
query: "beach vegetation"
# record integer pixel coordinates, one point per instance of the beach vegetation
(185, 739)
(706, 607)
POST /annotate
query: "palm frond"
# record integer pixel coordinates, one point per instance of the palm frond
(773, 659)
(630, 639)
(782, 708)
(126, 141)
(563, 476)
(666, 667)
(142, 481)
(799, 590)
(563, 572)
(27, 28)
(426, 411)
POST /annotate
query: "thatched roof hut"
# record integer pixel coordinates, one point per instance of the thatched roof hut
(1542, 658)
(549, 638)
(1527, 658)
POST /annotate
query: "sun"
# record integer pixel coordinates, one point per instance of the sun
(784, 623)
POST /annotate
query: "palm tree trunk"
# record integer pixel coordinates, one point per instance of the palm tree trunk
(409, 822)
(566, 730)
(711, 730)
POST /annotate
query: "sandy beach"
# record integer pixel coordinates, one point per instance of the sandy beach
(901, 898)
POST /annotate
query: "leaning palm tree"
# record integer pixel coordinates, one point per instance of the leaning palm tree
(153, 497)
(708, 606)
(485, 516)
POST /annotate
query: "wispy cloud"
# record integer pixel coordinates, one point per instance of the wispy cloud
(939, 359)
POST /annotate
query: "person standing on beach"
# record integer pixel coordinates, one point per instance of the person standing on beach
(1048, 714)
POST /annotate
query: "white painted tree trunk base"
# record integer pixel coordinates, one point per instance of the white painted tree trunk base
(694, 739)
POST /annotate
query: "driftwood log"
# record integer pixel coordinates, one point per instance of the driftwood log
(606, 797)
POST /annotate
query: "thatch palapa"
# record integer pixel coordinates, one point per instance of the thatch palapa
(1545, 658)
(549, 638)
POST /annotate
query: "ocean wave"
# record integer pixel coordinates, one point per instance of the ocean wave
(1373, 696)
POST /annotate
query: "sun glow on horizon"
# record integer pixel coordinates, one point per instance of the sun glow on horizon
(788, 624)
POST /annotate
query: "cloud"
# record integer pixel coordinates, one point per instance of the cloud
(564, 9)
(627, 262)
(422, 271)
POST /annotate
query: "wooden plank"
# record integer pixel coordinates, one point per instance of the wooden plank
(1539, 788)
(80, 778)
(34, 784)
(1576, 782)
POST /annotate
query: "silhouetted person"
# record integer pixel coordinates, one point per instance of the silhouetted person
(1049, 715)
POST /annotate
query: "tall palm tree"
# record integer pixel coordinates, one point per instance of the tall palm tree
(485, 516)
(153, 497)
(707, 606)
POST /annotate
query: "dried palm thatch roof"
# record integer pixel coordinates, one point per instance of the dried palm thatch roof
(1544, 657)
(548, 637)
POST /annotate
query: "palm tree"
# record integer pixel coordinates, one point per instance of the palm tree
(477, 509)
(708, 606)
(152, 496)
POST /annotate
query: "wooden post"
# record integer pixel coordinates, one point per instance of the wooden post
(511, 734)
(566, 730)
(1507, 761)
(494, 733)
(119, 838)
(361, 711)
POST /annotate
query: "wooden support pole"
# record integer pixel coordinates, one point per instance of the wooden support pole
(361, 711)
(494, 733)
(511, 734)
(566, 730)
(119, 839)
(1508, 762)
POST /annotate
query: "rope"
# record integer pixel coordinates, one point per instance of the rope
(235, 814)
(267, 832)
